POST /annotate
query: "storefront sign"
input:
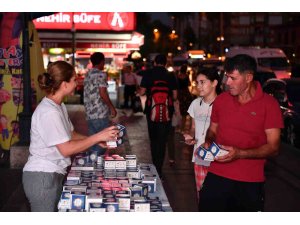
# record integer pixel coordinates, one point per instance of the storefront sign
(117, 21)
(116, 46)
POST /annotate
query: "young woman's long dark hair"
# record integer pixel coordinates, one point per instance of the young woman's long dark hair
(212, 74)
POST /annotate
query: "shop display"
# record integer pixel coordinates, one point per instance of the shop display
(112, 184)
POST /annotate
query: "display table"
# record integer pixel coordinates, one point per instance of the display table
(113, 184)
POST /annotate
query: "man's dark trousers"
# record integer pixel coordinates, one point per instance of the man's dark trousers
(158, 134)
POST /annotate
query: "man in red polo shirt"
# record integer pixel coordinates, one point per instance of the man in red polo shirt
(246, 122)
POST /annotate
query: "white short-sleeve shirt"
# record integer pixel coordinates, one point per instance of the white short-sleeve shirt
(201, 114)
(50, 125)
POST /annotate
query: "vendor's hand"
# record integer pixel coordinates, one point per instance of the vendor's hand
(108, 134)
(104, 145)
(113, 112)
(233, 154)
(189, 140)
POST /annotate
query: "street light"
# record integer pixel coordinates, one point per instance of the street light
(221, 39)
(156, 34)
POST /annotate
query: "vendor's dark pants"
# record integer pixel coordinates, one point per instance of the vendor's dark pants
(220, 194)
(158, 134)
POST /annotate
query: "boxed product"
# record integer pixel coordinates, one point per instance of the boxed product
(96, 207)
(204, 154)
(71, 182)
(93, 156)
(136, 191)
(100, 160)
(145, 189)
(124, 201)
(111, 205)
(74, 175)
(154, 208)
(151, 182)
(80, 160)
(133, 173)
(109, 163)
(111, 144)
(65, 200)
(142, 206)
(120, 163)
(119, 141)
(122, 130)
(92, 198)
(78, 200)
(75, 210)
(121, 173)
(94, 190)
(85, 167)
(131, 161)
(216, 150)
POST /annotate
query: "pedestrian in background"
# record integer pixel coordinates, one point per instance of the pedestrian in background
(184, 96)
(208, 85)
(53, 139)
(130, 85)
(246, 122)
(98, 106)
(161, 90)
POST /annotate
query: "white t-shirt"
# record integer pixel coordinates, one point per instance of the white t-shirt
(201, 114)
(50, 125)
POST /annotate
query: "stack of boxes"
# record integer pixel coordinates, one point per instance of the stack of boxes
(213, 151)
(109, 184)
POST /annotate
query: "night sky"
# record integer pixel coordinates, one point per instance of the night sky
(162, 16)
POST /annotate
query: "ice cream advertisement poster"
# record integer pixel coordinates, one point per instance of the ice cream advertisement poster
(11, 76)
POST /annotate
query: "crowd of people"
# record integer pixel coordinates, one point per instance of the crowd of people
(232, 182)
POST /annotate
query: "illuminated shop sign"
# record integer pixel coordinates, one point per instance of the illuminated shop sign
(124, 46)
(117, 21)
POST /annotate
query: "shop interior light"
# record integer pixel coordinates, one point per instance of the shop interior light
(56, 51)
(136, 55)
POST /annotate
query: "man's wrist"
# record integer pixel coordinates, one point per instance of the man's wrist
(238, 154)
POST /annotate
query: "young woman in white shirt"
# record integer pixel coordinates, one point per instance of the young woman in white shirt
(53, 139)
(208, 85)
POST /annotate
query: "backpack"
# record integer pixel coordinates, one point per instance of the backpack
(160, 103)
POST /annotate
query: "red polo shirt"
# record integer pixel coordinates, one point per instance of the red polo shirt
(243, 126)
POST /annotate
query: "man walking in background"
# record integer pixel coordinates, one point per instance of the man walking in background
(97, 103)
(161, 90)
(130, 84)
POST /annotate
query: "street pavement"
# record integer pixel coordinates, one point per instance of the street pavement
(282, 188)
